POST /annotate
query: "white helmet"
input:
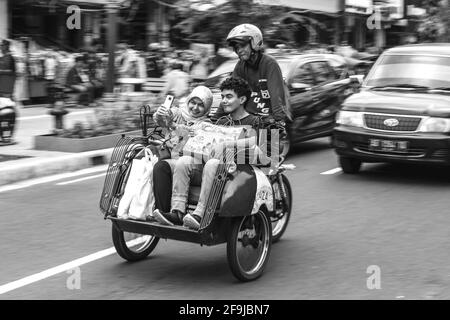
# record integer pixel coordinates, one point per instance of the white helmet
(246, 32)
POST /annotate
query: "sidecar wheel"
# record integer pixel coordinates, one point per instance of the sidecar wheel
(133, 246)
(279, 225)
(248, 247)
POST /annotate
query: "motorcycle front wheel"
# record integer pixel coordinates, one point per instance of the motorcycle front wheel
(282, 211)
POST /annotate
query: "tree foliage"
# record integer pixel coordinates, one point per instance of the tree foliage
(213, 25)
(434, 27)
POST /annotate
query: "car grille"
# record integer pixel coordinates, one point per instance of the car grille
(441, 153)
(375, 121)
(412, 152)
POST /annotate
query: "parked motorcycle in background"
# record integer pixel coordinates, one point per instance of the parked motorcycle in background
(7, 110)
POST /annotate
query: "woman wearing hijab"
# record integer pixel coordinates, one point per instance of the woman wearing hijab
(187, 116)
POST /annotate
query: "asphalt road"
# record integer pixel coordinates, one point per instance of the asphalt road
(390, 221)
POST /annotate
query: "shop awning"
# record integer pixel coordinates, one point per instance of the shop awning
(94, 3)
(326, 6)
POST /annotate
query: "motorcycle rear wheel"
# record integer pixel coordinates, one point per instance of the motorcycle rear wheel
(248, 247)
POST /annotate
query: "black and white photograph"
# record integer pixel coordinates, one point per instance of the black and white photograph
(224, 155)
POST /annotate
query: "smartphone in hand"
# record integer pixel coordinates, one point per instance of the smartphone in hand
(167, 105)
(168, 102)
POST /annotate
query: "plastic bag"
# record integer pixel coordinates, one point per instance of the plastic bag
(138, 199)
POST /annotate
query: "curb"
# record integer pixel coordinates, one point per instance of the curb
(48, 166)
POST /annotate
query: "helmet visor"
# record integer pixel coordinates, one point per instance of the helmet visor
(237, 41)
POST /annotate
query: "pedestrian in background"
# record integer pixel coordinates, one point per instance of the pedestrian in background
(78, 81)
(199, 68)
(94, 72)
(177, 81)
(7, 70)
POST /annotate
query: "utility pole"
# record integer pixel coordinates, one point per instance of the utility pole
(112, 10)
(339, 23)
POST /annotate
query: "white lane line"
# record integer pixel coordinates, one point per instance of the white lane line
(43, 116)
(80, 179)
(32, 182)
(332, 171)
(64, 267)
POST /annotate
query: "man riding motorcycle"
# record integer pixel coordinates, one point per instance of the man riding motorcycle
(262, 72)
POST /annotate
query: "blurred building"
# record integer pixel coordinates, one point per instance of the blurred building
(5, 15)
(46, 21)
(360, 23)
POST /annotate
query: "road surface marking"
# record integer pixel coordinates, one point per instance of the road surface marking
(80, 179)
(64, 267)
(42, 116)
(32, 182)
(332, 171)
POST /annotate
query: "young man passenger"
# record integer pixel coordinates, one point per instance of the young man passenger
(235, 94)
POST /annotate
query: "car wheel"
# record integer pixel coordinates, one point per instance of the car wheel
(350, 165)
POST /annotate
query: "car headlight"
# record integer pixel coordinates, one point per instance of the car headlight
(350, 118)
(435, 125)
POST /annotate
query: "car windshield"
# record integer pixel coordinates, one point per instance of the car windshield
(221, 73)
(411, 71)
(225, 67)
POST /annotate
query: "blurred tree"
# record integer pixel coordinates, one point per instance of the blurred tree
(434, 27)
(206, 22)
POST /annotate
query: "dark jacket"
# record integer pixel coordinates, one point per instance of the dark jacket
(265, 68)
(73, 77)
(7, 64)
(7, 74)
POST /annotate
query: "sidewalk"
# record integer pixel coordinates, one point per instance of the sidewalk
(21, 162)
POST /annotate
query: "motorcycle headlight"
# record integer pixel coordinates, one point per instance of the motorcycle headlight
(435, 125)
(232, 168)
(350, 118)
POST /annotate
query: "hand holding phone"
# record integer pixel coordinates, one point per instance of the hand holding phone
(168, 102)
(164, 109)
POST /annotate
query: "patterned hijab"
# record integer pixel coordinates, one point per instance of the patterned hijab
(206, 96)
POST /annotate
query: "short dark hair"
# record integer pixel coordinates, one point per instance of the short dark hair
(238, 85)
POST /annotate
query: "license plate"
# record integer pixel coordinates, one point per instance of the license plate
(388, 145)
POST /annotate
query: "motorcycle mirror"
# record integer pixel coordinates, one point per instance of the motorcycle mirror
(300, 86)
(357, 78)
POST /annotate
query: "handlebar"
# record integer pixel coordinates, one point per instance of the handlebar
(155, 143)
(270, 123)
